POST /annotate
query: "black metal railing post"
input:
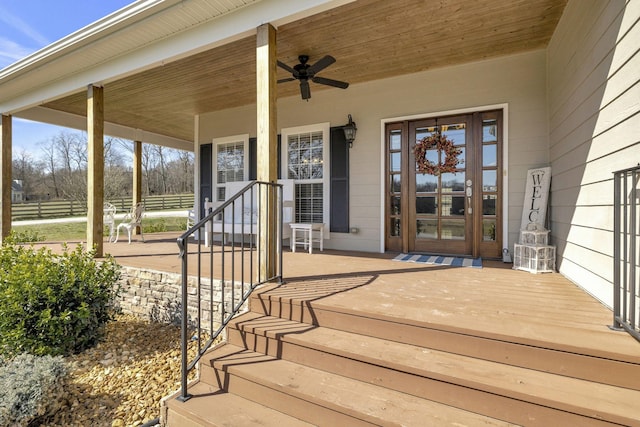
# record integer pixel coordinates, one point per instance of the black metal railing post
(184, 250)
(211, 227)
(626, 313)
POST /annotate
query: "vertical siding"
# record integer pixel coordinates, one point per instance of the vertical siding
(594, 101)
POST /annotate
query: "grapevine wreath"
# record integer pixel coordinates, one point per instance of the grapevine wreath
(443, 144)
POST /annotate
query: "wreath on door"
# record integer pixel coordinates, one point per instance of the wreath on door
(444, 145)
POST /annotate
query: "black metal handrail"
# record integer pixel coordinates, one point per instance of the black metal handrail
(238, 216)
(626, 289)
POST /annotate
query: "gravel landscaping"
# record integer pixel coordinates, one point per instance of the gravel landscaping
(120, 381)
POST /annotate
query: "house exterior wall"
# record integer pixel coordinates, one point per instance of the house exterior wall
(594, 93)
(518, 81)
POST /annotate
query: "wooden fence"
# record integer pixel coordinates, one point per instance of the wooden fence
(68, 208)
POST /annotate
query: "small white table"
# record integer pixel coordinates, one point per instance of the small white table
(307, 235)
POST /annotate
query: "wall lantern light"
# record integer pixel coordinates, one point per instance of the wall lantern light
(350, 131)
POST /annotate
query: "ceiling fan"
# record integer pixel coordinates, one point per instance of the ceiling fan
(305, 72)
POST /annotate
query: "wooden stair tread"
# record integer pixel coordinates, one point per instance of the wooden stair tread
(483, 318)
(551, 390)
(212, 407)
(369, 402)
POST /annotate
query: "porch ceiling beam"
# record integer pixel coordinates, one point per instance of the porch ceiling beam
(5, 183)
(267, 142)
(95, 168)
(74, 121)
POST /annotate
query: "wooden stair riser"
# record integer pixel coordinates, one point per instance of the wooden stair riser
(286, 401)
(493, 403)
(575, 365)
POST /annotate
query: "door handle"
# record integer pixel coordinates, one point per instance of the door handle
(469, 193)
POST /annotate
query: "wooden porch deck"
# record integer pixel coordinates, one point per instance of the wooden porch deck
(495, 300)
(513, 346)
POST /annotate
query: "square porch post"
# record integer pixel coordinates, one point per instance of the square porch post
(137, 176)
(266, 145)
(95, 168)
(5, 184)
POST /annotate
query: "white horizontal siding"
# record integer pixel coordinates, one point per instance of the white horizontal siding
(594, 101)
(518, 80)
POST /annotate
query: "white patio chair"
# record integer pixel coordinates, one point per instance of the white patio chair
(191, 218)
(132, 220)
(109, 219)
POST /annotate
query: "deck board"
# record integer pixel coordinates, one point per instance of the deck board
(495, 301)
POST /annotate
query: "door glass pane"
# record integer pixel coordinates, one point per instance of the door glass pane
(395, 183)
(489, 180)
(461, 157)
(489, 204)
(452, 182)
(455, 132)
(488, 230)
(452, 205)
(394, 162)
(394, 227)
(426, 205)
(490, 155)
(395, 140)
(423, 132)
(452, 229)
(427, 229)
(489, 130)
(432, 156)
(395, 205)
(426, 183)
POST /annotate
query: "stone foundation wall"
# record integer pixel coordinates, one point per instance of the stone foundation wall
(157, 296)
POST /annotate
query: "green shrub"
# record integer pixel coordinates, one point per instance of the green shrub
(54, 304)
(30, 388)
(24, 236)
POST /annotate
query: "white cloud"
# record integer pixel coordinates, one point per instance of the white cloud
(24, 28)
(11, 51)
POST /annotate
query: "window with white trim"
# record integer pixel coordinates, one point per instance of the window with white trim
(230, 163)
(306, 161)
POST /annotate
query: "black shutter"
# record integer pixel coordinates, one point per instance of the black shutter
(206, 175)
(339, 181)
(253, 158)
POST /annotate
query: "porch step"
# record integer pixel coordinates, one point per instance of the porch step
(325, 398)
(229, 410)
(314, 356)
(529, 350)
(506, 392)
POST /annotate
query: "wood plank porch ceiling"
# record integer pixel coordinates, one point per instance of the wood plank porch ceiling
(371, 39)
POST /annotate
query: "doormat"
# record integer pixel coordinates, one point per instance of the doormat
(452, 261)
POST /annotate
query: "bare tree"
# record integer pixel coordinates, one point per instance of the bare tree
(29, 172)
(51, 166)
(63, 167)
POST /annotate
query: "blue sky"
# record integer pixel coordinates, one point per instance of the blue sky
(29, 25)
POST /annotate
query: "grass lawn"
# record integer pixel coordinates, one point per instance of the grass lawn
(61, 232)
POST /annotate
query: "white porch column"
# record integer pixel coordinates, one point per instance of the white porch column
(137, 176)
(95, 168)
(5, 183)
(267, 144)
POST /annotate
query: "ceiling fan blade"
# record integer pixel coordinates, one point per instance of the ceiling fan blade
(290, 79)
(330, 82)
(286, 67)
(304, 89)
(323, 63)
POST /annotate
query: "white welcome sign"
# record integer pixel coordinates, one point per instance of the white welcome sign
(535, 197)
